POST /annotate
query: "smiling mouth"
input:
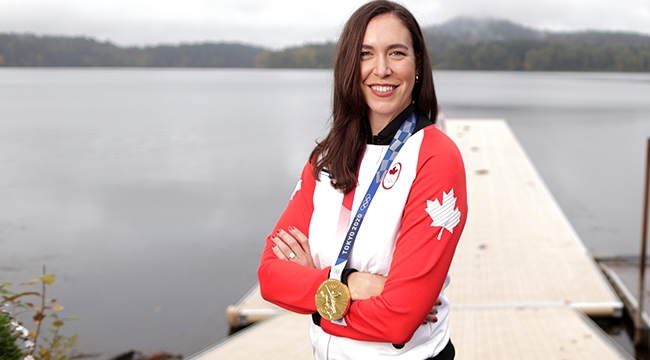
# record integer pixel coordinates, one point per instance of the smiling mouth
(383, 89)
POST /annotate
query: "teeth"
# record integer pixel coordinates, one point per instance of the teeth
(383, 89)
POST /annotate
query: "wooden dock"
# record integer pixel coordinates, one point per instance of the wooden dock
(522, 281)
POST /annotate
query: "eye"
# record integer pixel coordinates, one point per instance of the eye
(397, 53)
(365, 53)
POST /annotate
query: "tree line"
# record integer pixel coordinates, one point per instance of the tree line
(552, 55)
(563, 52)
(59, 51)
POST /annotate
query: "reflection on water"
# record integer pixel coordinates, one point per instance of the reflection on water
(150, 192)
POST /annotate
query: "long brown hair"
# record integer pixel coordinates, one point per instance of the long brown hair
(339, 151)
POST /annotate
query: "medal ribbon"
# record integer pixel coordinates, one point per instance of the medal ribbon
(400, 138)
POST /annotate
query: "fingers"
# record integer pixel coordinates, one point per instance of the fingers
(284, 245)
(431, 317)
(302, 239)
(292, 245)
(278, 251)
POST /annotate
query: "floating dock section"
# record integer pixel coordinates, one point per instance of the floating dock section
(523, 284)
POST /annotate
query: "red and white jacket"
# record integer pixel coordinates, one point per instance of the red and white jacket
(409, 234)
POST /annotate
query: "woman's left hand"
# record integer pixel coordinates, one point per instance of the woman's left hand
(292, 245)
(431, 317)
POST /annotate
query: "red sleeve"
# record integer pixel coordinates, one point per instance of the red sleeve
(420, 262)
(287, 284)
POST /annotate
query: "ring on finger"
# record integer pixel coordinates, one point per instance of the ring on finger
(292, 255)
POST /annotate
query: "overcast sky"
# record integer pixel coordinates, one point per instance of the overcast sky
(281, 23)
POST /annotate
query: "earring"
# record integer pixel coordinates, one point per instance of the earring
(417, 78)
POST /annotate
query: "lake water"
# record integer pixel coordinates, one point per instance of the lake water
(149, 192)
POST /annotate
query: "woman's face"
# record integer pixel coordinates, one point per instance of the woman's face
(387, 68)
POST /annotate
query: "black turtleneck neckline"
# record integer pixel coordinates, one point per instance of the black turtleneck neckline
(386, 135)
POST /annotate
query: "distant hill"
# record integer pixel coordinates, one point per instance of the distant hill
(460, 44)
(31, 50)
(488, 44)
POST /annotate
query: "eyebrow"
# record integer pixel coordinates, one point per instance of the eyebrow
(390, 47)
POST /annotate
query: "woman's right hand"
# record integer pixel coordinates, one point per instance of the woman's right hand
(365, 285)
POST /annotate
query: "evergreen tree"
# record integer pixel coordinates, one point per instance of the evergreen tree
(8, 348)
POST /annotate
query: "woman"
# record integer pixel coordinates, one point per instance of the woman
(392, 214)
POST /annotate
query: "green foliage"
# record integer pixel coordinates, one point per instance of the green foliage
(8, 348)
(553, 55)
(196, 55)
(53, 347)
(562, 56)
(30, 50)
(312, 56)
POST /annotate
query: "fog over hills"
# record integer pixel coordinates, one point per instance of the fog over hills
(472, 30)
(465, 29)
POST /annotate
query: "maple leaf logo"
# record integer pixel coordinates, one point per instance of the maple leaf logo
(391, 176)
(445, 215)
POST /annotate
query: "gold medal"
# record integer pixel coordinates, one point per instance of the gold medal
(332, 299)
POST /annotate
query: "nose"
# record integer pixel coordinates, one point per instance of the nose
(382, 66)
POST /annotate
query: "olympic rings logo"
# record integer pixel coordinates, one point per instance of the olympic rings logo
(366, 201)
